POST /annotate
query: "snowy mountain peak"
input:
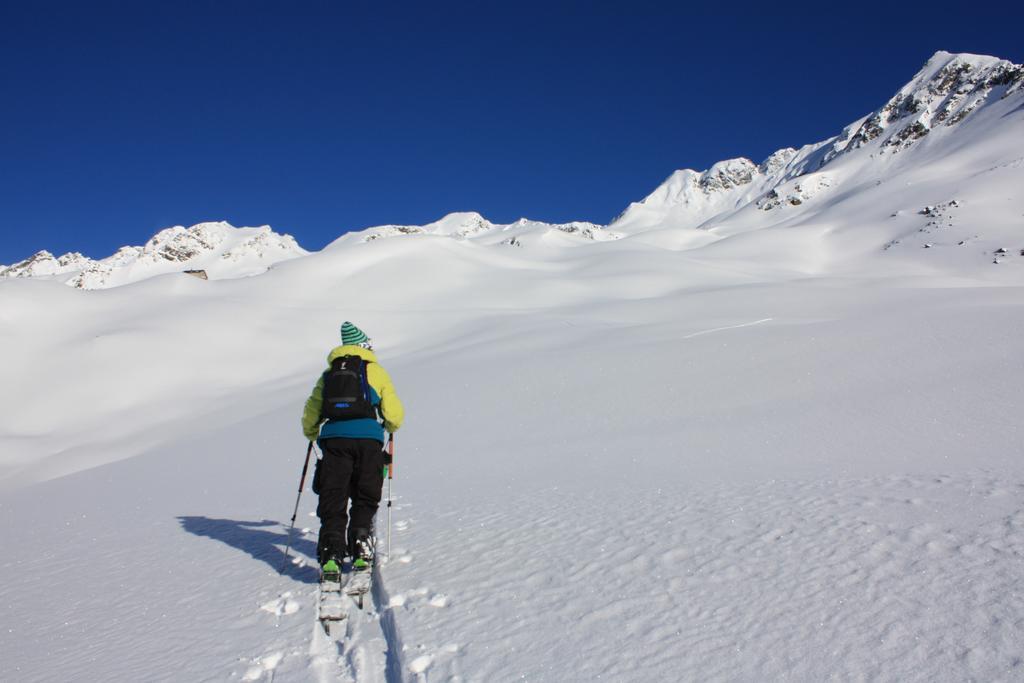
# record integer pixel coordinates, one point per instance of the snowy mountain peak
(725, 175)
(689, 198)
(218, 248)
(948, 89)
(459, 224)
(776, 161)
(182, 244)
(683, 185)
(469, 225)
(44, 264)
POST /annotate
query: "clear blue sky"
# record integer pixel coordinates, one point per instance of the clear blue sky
(121, 118)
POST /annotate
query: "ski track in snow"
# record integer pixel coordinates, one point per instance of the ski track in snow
(727, 327)
(363, 647)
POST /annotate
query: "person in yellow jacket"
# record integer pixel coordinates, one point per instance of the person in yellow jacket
(350, 408)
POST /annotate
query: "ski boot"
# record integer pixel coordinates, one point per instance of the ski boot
(330, 571)
(362, 553)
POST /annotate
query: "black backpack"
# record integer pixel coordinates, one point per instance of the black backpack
(347, 391)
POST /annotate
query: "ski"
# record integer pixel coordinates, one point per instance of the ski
(338, 585)
(360, 579)
(359, 584)
(333, 605)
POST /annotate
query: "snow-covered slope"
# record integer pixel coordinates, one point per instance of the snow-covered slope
(783, 453)
(219, 249)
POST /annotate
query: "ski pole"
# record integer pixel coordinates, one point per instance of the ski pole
(391, 472)
(302, 483)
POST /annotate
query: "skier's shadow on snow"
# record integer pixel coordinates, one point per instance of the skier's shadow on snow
(264, 541)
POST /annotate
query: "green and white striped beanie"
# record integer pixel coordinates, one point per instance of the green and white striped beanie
(352, 335)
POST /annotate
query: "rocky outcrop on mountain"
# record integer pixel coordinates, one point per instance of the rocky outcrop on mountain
(945, 92)
(725, 175)
(776, 162)
(795, 192)
(264, 245)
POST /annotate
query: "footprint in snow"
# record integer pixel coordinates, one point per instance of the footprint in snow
(403, 599)
(421, 664)
(400, 555)
(282, 605)
(263, 665)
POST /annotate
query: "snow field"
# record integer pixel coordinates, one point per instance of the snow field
(806, 479)
(796, 499)
(801, 580)
(785, 446)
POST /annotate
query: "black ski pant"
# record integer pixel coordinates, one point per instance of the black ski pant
(351, 469)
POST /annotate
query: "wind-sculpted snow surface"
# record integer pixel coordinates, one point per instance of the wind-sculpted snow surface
(824, 579)
(787, 453)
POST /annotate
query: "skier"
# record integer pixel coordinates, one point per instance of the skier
(347, 401)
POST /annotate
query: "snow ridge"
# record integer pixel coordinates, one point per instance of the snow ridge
(470, 225)
(218, 248)
(962, 113)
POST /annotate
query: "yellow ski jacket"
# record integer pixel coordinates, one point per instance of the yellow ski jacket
(383, 397)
